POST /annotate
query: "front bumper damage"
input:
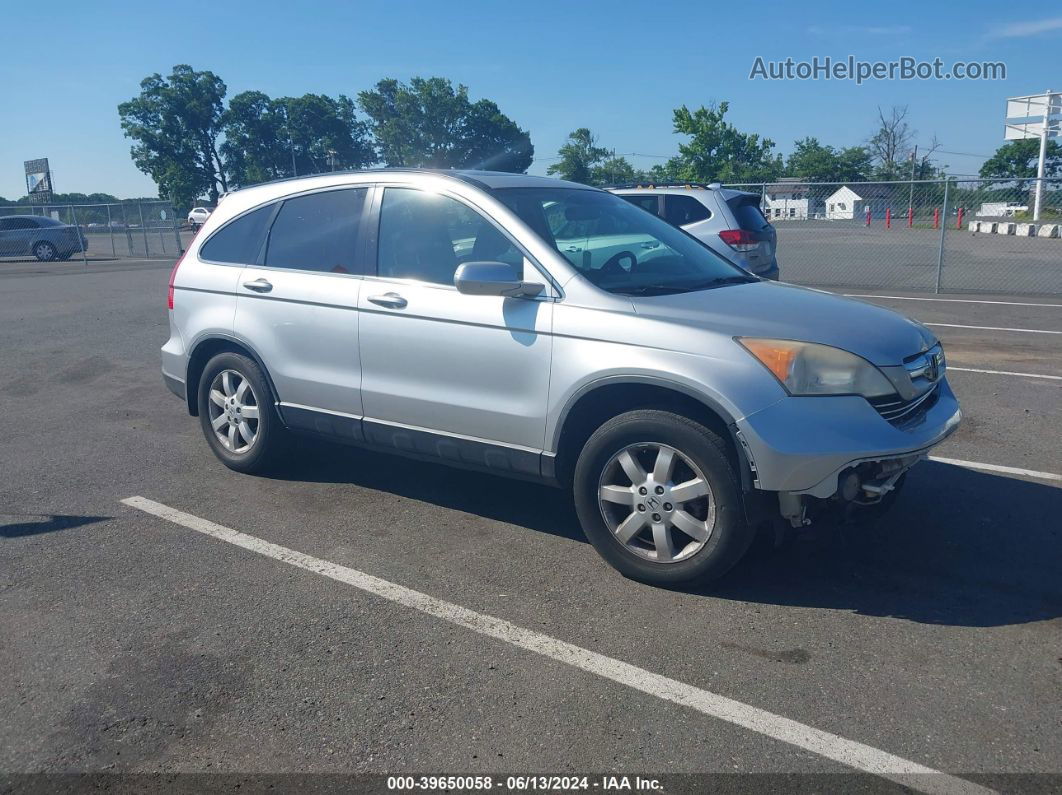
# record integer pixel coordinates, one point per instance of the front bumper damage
(839, 449)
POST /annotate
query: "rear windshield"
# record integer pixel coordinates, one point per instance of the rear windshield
(746, 210)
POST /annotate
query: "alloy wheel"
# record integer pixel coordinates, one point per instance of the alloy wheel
(657, 502)
(234, 414)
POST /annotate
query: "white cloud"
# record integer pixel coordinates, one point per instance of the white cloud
(1018, 30)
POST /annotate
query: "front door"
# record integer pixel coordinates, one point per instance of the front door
(472, 368)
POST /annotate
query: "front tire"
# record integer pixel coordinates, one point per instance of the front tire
(45, 251)
(237, 414)
(659, 499)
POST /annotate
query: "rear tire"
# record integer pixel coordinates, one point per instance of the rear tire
(701, 529)
(238, 415)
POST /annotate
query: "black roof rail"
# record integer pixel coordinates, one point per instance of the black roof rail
(668, 183)
(462, 175)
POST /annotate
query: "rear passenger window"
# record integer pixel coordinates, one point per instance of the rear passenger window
(317, 232)
(239, 241)
(683, 210)
(646, 202)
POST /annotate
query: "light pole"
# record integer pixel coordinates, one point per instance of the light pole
(1041, 165)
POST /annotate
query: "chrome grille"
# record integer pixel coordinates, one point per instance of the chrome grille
(899, 411)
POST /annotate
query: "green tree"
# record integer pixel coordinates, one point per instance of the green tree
(579, 156)
(265, 137)
(253, 152)
(853, 164)
(613, 171)
(717, 150)
(816, 162)
(174, 123)
(430, 123)
(1019, 159)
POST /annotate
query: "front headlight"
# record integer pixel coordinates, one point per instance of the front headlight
(806, 368)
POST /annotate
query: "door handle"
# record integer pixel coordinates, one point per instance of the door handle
(259, 286)
(390, 300)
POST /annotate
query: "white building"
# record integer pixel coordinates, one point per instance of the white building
(789, 198)
(1002, 209)
(847, 203)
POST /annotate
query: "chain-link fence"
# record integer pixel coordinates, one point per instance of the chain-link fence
(951, 235)
(133, 229)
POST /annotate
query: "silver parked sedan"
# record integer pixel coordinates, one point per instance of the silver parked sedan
(549, 331)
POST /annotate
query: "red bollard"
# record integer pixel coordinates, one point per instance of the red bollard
(910, 217)
(936, 218)
(868, 216)
(888, 218)
(958, 223)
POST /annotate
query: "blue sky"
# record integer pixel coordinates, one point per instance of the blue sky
(617, 68)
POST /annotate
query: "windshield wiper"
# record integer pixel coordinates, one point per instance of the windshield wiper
(737, 278)
(650, 289)
(669, 289)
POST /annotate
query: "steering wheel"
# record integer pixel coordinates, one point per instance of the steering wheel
(612, 264)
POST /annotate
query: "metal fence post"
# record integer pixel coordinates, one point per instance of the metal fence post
(110, 231)
(84, 246)
(943, 232)
(128, 231)
(143, 227)
(176, 231)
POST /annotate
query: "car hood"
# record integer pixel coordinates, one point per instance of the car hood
(785, 311)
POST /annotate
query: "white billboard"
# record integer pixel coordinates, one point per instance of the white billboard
(1026, 116)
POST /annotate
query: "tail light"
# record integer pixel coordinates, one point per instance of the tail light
(739, 239)
(173, 275)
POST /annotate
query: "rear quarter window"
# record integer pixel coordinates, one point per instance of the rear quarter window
(683, 210)
(239, 241)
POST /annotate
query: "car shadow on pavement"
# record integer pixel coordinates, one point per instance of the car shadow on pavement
(522, 503)
(959, 548)
(15, 526)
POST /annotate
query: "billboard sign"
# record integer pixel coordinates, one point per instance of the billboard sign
(38, 180)
(1026, 116)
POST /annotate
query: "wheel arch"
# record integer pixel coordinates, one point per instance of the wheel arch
(207, 348)
(603, 399)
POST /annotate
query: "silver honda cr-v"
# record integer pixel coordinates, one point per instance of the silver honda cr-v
(546, 330)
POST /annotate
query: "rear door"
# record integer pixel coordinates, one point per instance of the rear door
(298, 307)
(650, 202)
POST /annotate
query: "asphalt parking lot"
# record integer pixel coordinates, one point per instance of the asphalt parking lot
(930, 641)
(846, 254)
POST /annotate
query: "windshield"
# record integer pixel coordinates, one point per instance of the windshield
(617, 246)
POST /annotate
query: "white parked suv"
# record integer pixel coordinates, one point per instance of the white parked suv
(550, 331)
(198, 216)
(728, 221)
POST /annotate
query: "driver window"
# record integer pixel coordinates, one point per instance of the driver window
(425, 236)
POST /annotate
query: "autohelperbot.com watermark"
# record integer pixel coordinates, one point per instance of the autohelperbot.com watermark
(851, 68)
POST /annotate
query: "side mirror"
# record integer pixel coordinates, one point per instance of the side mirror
(493, 278)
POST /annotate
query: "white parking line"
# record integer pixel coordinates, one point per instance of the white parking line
(949, 300)
(1004, 372)
(994, 328)
(1028, 473)
(847, 752)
